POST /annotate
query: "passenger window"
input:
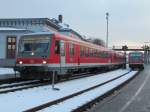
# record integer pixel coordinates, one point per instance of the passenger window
(90, 52)
(86, 52)
(71, 49)
(57, 47)
(95, 53)
(62, 48)
(82, 51)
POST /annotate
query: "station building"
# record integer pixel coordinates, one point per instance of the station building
(12, 29)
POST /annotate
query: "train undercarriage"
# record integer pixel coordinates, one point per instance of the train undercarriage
(136, 66)
(42, 72)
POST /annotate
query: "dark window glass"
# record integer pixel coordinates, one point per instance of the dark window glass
(135, 54)
(86, 52)
(11, 23)
(103, 55)
(82, 51)
(11, 47)
(62, 48)
(35, 44)
(90, 52)
(37, 47)
(71, 49)
(57, 47)
(95, 53)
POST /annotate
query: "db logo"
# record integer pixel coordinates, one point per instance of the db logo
(31, 61)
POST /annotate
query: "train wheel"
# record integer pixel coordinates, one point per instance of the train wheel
(23, 75)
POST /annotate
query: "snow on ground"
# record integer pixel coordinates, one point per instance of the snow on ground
(16, 83)
(7, 71)
(22, 100)
(75, 102)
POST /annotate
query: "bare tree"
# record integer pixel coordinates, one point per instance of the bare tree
(96, 41)
(99, 42)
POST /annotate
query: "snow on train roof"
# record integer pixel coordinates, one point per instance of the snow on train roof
(136, 52)
(8, 28)
(38, 33)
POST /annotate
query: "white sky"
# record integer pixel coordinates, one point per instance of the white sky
(129, 20)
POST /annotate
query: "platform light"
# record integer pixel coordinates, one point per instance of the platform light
(107, 32)
(44, 62)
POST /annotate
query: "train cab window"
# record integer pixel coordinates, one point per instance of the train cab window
(57, 47)
(71, 49)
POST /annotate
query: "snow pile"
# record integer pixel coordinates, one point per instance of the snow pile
(7, 71)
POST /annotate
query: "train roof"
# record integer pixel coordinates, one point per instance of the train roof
(38, 33)
(79, 41)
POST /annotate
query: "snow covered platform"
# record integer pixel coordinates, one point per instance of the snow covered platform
(23, 100)
(6, 73)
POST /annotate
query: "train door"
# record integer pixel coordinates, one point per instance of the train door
(62, 54)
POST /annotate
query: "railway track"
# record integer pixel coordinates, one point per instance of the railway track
(71, 96)
(19, 84)
(15, 84)
(10, 80)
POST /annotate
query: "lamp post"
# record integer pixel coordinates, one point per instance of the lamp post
(53, 81)
(107, 33)
(146, 52)
(125, 48)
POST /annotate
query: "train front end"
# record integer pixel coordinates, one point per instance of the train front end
(136, 60)
(33, 56)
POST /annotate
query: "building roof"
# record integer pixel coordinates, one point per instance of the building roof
(47, 21)
(8, 23)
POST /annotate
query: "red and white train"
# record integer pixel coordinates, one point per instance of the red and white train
(39, 54)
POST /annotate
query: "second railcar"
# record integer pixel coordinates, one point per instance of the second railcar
(136, 60)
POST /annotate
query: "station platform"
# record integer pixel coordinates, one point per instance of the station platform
(8, 76)
(133, 97)
(7, 73)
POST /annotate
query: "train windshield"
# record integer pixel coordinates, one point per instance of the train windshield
(136, 55)
(34, 44)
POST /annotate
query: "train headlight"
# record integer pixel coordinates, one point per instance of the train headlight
(44, 62)
(20, 62)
